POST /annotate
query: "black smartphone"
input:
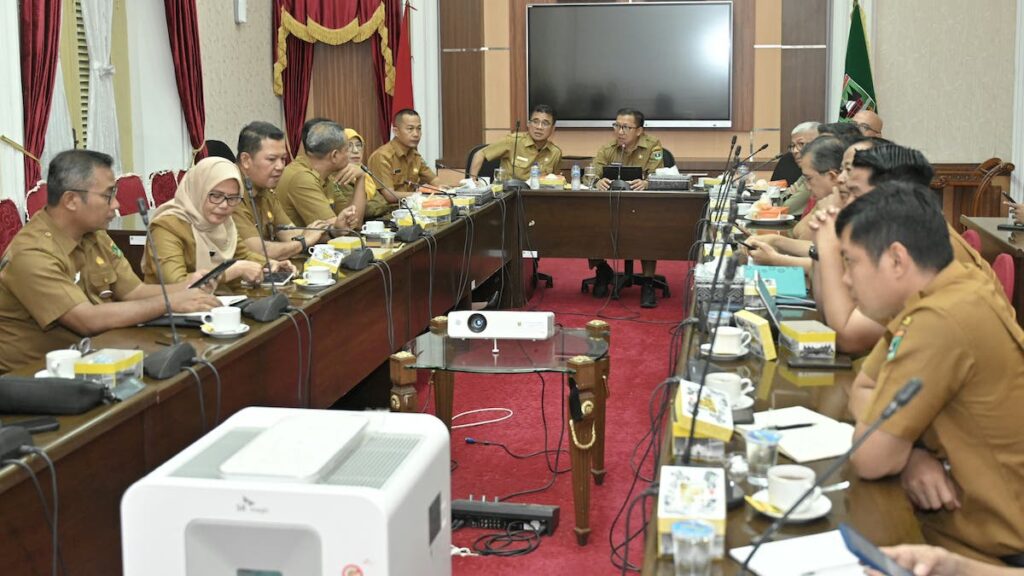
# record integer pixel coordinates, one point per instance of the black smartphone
(36, 425)
(869, 554)
(279, 278)
(1007, 196)
(213, 274)
(744, 244)
(840, 362)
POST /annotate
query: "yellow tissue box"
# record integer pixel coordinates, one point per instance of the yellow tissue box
(808, 338)
(691, 493)
(714, 418)
(110, 366)
(761, 342)
(345, 243)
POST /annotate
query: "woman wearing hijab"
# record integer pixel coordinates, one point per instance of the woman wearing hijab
(347, 178)
(195, 231)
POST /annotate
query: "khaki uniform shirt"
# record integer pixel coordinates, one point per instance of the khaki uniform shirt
(799, 196)
(963, 253)
(272, 215)
(401, 168)
(304, 195)
(376, 205)
(526, 155)
(43, 275)
(176, 244)
(961, 338)
(647, 155)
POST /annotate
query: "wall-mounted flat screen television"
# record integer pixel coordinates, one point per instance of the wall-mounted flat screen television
(670, 60)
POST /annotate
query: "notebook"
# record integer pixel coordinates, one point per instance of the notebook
(827, 438)
(823, 553)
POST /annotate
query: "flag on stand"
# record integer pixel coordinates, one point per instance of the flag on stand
(858, 87)
(402, 97)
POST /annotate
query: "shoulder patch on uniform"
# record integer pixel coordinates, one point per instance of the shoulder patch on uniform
(897, 340)
(656, 155)
(117, 251)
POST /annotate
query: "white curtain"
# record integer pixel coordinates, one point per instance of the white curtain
(102, 125)
(12, 163)
(59, 134)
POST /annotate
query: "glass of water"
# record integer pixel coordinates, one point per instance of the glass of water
(692, 544)
(589, 176)
(762, 452)
(499, 176)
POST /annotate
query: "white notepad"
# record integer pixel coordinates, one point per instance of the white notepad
(828, 438)
(822, 554)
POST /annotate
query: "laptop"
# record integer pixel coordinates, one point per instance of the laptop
(620, 172)
(774, 314)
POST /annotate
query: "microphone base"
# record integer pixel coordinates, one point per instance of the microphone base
(515, 184)
(618, 185)
(408, 234)
(268, 308)
(358, 259)
(168, 361)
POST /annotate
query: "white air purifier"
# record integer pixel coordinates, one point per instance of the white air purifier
(291, 492)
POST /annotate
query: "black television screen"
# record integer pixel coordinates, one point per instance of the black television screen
(672, 61)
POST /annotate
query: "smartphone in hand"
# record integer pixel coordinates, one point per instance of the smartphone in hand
(213, 274)
(869, 554)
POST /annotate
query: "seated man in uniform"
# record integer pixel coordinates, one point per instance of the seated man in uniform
(261, 158)
(631, 147)
(519, 152)
(397, 164)
(798, 193)
(949, 326)
(307, 187)
(63, 278)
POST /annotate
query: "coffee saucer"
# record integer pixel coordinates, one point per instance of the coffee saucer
(816, 509)
(743, 403)
(44, 373)
(314, 286)
(743, 350)
(208, 330)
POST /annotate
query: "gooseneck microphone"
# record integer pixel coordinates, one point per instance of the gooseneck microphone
(752, 154)
(768, 161)
(167, 361)
(514, 183)
(405, 234)
(901, 399)
(269, 307)
(357, 259)
(619, 183)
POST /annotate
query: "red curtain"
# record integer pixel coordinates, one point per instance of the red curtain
(403, 68)
(40, 42)
(183, 33)
(330, 17)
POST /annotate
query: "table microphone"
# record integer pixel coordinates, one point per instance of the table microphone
(902, 397)
(357, 259)
(269, 307)
(169, 360)
(405, 233)
(768, 161)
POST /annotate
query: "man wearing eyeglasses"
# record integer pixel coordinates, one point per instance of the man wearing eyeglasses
(398, 163)
(869, 123)
(631, 147)
(799, 193)
(519, 152)
(63, 278)
(306, 189)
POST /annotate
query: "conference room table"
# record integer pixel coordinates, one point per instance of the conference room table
(100, 453)
(995, 242)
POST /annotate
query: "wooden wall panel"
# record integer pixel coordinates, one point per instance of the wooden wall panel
(804, 70)
(342, 89)
(462, 79)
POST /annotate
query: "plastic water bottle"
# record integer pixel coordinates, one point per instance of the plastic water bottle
(575, 176)
(535, 176)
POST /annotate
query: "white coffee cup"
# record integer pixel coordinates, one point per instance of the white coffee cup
(61, 363)
(733, 385)
(787, 482)
(317, 274)
(730, 340)
(224, 318)
(374, 227)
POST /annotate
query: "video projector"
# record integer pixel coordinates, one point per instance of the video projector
(277, 491)
(501, 325)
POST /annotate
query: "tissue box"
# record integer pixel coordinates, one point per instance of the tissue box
(110, 366)
(714, 418)
(761, 342)
(345, 244)
(808, 338)
(733, 292)
(691, 493)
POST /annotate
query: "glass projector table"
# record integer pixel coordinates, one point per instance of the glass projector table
(580, 353)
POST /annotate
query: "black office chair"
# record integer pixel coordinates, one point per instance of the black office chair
(218, 149)
(787, 169)
(488, 167)
(627, 277)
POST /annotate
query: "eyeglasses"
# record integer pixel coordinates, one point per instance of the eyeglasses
(862, 126)
(220, 198)
(355, 145)
(540, 123)
(623, 127)
(109, 196)
(794, 146)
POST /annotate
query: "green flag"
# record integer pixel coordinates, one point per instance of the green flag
(858, 87)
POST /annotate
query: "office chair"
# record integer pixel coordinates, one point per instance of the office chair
(218, 149)
(627, 277)
(488, 167)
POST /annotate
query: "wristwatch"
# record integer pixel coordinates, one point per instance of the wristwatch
(812, 252)
(302, 241)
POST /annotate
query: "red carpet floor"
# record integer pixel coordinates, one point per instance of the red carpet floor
(639, 354)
